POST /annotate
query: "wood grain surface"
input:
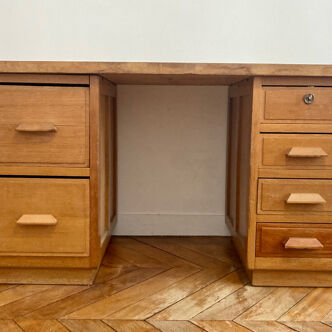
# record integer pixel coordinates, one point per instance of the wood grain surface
(169, 284)
(167, 73)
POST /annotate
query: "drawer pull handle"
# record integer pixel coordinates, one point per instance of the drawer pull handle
(305, 198)
(36, 127)
(308, 98)
(37, 220)
(304, 152)
(303, 243)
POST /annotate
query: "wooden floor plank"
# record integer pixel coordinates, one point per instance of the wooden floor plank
(235, 304)
(112, 260)
(33, 302)
(5, 287)
(113, 303)
(166, 258)
(9, 326)
(30, 325)
(308, 326)
(86, 325)
(131, 326)
(328, 323)
(135, 257)
(106, 273)
(275, 304)
(16, 293)
(171, 245)
(93, 294)
(313, 307)
(221, 248)
(175, 326)
(265, 326)
(194, 304)
(328, 317)
(220, 326)
(166, 297)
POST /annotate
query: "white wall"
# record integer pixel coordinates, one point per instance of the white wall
(172, 147)
(277, 31)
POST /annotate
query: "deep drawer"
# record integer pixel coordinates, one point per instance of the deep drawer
(293, 240)
(297, 151)
(292, 196)
(44, 125)
(40, 217)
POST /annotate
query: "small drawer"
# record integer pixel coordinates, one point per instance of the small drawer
(293, 240)
(44, 217)
(291, 196)
(298, 103)
(297, 151)
(44, 125)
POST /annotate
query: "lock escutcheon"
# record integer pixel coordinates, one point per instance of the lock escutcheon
(308, 98)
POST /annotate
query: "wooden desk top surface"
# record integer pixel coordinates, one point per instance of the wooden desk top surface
(167, 73)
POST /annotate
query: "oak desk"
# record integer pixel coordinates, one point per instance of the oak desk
(58, 166)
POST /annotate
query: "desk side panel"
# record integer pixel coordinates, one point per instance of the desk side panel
(103, 165)
(238, 166)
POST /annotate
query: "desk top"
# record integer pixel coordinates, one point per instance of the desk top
(167, 73)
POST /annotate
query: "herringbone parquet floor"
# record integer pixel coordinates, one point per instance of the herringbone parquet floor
(171, 284)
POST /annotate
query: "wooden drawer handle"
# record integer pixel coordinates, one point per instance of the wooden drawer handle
(305, 198)
(306, 152)
(303, 243)
(37, 220)
(36, 127)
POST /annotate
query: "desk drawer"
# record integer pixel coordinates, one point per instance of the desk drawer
(297, 150)
(293, 240)
(44, 125)
(291, 196)
(44, 217)
(298, 103)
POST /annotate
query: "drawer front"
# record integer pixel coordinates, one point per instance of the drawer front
(293, 240)
(44, 125)
(297, 150)
(44, 217)
(294, 103)
(290, 196)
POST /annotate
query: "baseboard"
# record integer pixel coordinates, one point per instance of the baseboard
(171, 224)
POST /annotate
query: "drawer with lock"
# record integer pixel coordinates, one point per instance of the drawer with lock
(44, 217)
(293, 240)
(44, 125)
(294, 196)
(281, 221)
(297, 104)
